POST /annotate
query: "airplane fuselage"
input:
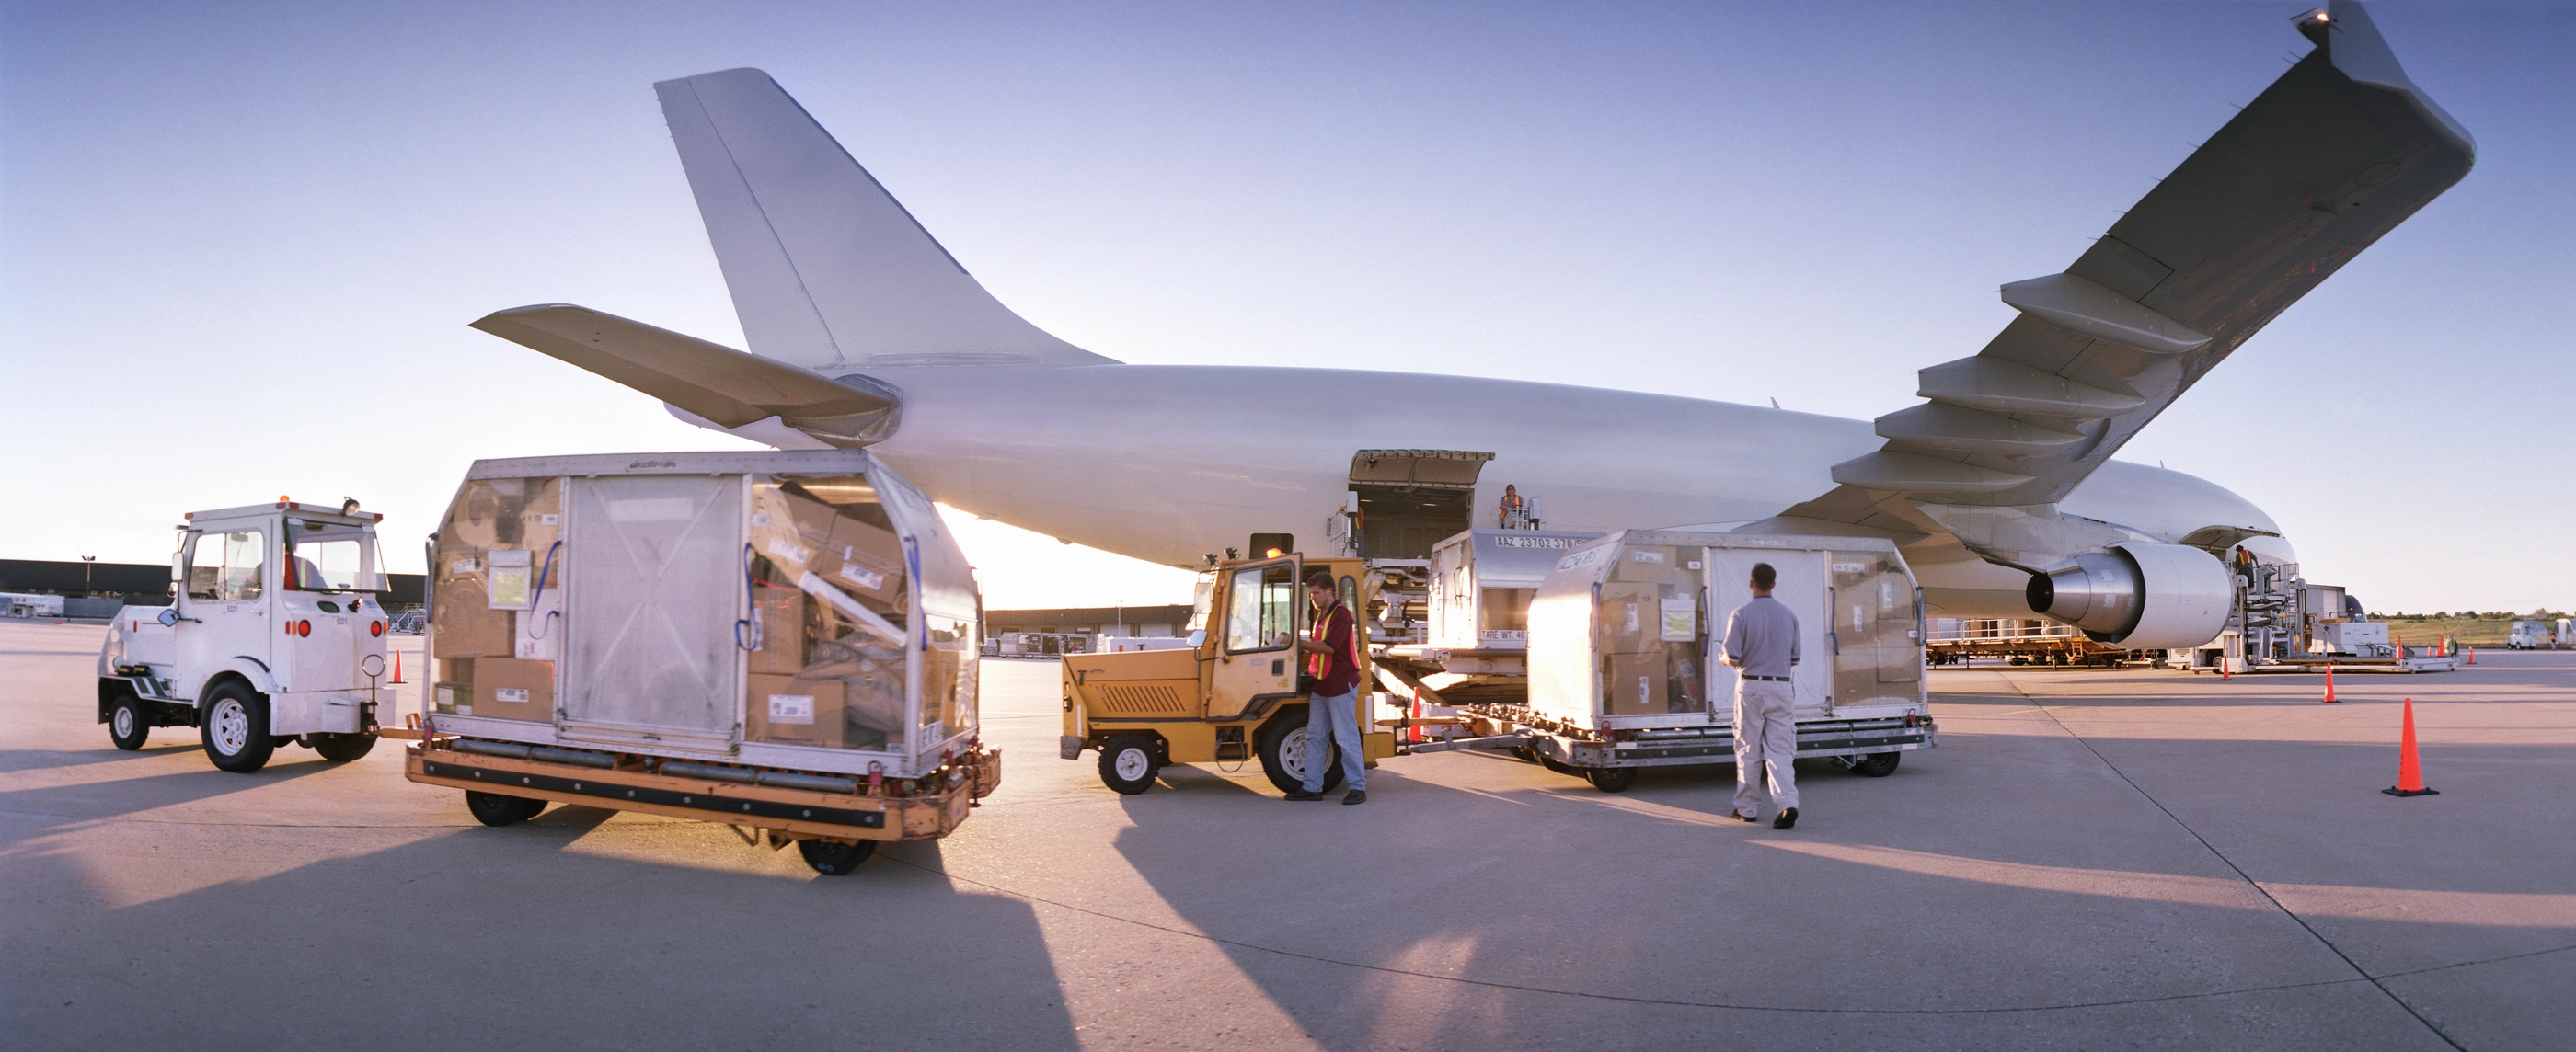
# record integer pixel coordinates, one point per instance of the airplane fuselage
(1167, 463)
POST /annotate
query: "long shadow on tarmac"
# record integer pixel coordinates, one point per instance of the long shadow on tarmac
(2003, 891)
(503, 938)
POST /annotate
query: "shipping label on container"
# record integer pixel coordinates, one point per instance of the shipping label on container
(510, 695)
(1646, 555)
(794, 553)
(1681, 620)
(791, 708)
(864, 578)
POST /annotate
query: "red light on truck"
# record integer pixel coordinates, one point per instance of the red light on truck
(375, 628)
(304, 628)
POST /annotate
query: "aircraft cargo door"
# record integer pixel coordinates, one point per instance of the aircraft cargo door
(1801, 584)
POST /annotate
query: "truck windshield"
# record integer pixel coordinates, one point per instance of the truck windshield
(324, 557)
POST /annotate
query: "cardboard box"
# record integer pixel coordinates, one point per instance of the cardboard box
(791, 711)
(1631, 618)
(1648, 565)
(782, 630)
(466, 625)
(871, 561)
(514, 689)
(455, 696)
(1634, 685)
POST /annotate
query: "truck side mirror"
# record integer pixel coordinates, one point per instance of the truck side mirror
(169, 616)
(1198, 638)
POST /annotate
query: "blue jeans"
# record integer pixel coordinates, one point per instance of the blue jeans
(1335, 720)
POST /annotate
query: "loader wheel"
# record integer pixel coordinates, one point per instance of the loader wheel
(342, 748)
(128, 724)
(1128, 764)
(1286, 749)
(1611, 779)
(1556, 765)
(832, 858)
(235, 728)
(494, 809)
(1877, 764)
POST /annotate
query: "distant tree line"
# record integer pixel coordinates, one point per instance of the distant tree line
(2471, 615)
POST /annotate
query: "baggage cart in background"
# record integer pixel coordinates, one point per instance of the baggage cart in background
(783, 642)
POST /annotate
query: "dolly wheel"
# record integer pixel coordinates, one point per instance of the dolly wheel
(1877, 764)
(1129, 763)
(1611, 779)
(833, 858)
(494, 809)
(128, 723)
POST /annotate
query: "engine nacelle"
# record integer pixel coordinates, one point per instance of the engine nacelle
(2140, 596)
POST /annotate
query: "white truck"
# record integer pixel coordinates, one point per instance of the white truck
(275, 636)
(2529, 634)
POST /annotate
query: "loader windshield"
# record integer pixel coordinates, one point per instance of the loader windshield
(328, 557)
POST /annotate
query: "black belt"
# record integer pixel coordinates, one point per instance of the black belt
(1772, 679)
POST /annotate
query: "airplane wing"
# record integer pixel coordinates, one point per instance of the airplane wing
(711, 380)
(2331, 156)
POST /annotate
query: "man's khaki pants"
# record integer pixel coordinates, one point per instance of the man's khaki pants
(1766, 740)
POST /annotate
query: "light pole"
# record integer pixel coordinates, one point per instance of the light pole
(86, 562)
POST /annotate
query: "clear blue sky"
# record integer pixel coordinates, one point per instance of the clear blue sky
(239, 243)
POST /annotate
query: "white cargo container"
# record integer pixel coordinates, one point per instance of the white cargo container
(1623, 630)
(783, 641)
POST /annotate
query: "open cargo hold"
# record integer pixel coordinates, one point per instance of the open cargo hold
(1624, 630)
(781, 641)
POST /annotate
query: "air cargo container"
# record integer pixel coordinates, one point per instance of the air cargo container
(1624, 631)
(784, 642)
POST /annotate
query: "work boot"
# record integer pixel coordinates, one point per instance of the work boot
(1302, 794)
(1355, 796)
(1788, 817)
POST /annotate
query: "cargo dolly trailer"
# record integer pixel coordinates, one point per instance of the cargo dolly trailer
(782, 642)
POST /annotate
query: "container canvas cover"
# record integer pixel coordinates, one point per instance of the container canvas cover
(653, 601)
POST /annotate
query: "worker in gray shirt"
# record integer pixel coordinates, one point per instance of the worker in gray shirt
(1762, 646)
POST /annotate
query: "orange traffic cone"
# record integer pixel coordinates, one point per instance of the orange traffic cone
(2330, 698)
(2473, 655)
(2410, 771)
(398, 675)
(2223, 675)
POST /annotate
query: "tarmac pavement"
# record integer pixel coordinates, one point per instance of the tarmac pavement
(2090, 859)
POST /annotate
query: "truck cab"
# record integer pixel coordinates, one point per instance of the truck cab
(1231, 696)
(275, 636)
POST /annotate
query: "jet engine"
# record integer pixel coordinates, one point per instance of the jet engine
(2141, 596)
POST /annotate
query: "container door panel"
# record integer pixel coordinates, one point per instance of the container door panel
(1801, 583)
(651, 603)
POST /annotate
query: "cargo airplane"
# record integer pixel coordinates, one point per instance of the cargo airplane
(1999, 485)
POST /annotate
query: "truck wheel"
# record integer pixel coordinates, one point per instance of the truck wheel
(128, 723)
(342, 748)
(1128, 764)
(1554, 764)
(1877, 764)
(235, 728)
(494, 809)
(832, 858)
(1611, 779)
(1286, 749)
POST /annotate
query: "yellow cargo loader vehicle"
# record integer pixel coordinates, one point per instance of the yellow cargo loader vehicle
(1231, 696)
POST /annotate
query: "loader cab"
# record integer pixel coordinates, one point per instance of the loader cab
(1232, 697)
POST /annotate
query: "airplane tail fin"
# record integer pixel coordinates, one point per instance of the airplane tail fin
(826, 268)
